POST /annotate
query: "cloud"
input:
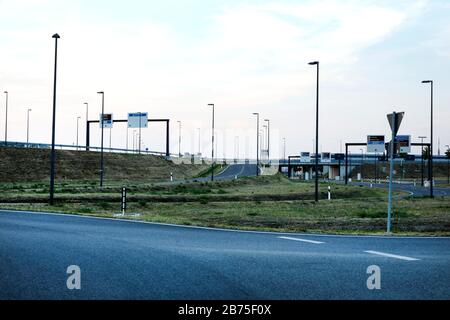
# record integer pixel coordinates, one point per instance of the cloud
(246, 56)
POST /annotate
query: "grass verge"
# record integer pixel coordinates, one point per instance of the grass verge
(412, 216)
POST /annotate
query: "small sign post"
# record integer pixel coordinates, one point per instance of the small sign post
(395, 119)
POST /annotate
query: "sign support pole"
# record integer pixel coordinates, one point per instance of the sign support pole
(391, 170)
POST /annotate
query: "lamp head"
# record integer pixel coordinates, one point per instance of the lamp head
(313, 63)
(427, 81)
(56, 36)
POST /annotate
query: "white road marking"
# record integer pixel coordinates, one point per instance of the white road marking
(392, 256)
(301, 240)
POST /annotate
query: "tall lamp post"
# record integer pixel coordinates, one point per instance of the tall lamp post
(199, 141)
(263, 139)
(362, 163)
(78, 123)
(6, 119)
(284, 149)
(53, 153)
(257, 142)
(28, 127)
(316, 166)
(447, 154)
(212, 141)
(431, 138)
(179, 138)
(268, 139)
(87, 120)
(102, 117)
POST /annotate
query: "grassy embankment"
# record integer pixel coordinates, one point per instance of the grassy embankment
(264, 203)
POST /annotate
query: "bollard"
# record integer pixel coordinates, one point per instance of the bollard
(329, 192)
(171, 177)
(124, 200)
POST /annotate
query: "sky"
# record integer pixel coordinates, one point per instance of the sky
(172, 58)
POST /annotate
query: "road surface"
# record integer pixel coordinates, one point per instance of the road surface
(415, 190)
(130, 260)
(237, 170)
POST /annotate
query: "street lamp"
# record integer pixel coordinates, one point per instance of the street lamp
(212, 139)
(284, 149)
(102, 126)
(28, 127)
(6, 119)
(257, 142)
(421, 159)
(87, 122)
(263, 137)
(362, 163)
(179, 138)
(199, 142)
(431, 139)
(236, 148)
(78, 120)
(316, 166)
(447, 154)
(53, 153)
(268, 139)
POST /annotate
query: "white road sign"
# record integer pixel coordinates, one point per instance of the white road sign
(326, 157)
(138, 120)
(107, 120)
(375, 144)
(403, 144)
(305, 157)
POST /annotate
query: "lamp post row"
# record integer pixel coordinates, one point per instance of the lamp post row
(53, 153)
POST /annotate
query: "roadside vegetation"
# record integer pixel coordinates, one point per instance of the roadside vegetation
(270, 203)
(264, 188)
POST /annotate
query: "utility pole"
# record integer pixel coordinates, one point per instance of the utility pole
(431, 138)
(316, 167)
(53, 152)
(78, 120)
(268, 139)
(257, 142)
(102, 128)
(212, 143)
(6, 120)
(28, 127)
(179, 138)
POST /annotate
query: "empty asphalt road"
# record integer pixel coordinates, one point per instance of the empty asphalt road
(128, 260)
(237, 170)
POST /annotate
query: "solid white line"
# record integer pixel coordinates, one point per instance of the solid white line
(221, 229)
(392, 256)
(301, 240)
